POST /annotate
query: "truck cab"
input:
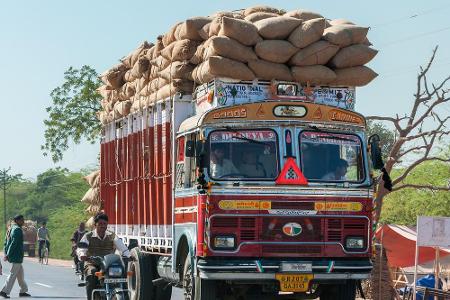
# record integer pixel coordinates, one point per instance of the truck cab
(273, 192)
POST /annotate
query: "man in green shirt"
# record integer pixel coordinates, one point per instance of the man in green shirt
(14, 254)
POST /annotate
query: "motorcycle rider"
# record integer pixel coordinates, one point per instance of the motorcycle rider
(100, 242)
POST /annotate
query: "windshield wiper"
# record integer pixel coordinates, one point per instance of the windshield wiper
(330, 135)
(241, 137)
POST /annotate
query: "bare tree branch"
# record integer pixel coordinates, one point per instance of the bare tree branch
(421, 186)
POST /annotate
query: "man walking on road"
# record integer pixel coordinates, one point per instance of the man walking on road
(14, 254)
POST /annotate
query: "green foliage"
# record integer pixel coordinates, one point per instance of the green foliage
(387, 136)
(73, 113)
(403, 206)
(54, 197)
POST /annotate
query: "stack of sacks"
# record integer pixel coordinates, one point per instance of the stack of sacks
(259, 42)
(92, 196)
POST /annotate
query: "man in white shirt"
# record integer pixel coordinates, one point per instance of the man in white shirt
(219, 165)
(339, 172)
(100, 242)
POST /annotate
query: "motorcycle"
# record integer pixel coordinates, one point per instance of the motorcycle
(112, 277)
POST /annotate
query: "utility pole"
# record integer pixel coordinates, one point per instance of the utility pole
(4, 180)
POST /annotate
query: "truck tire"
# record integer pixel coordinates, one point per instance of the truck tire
(196, 288)
(164, 291)
(346, 291)
(140, 283)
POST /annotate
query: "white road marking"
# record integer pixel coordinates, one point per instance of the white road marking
(44, 285)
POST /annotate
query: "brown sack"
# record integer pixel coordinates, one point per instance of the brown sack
(131, 58)
(158, 47)
(277, 51)
(156, 84)
(354, 76)
(160, 62)
(256, 16)
(229, 48)
(277, 28)
(318, 53)
(261, 8)
(189, 28)
(315, 75)
(139, 68)
(122, 108)
(180, 50)
(242, 31)
(197, 58)
(204, 31)
(340, 22)
(140, 83)
(115, 79)
(91, 196)
(345, 35)
(91, 178)
(307, 33)
(352, 56)
(217, 66)
(265, 70)
(177, 70)
(304, 15)
(169, 37)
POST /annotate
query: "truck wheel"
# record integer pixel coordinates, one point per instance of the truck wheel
(164, 291)
(196, 288)
(140, 283)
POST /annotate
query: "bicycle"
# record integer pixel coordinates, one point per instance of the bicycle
(43, 259)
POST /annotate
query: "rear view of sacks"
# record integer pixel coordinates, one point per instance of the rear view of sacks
(259, 42)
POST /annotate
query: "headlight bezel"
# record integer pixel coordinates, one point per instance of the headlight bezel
(115, 271)
(224, 236)
(357, 240)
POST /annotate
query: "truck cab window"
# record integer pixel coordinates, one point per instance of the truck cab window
(331, 157)
(246, 155)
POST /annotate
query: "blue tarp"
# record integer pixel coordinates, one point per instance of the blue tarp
(427, 281)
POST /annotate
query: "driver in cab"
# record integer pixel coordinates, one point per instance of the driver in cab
(219, 165)
(250, 166)
(98, 242)
(339, 172)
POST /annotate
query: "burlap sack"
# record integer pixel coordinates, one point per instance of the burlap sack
(229, 48)
(180, 50)
(340, 22)
(217, 66)
(102, 117)
(256, 16)
(122, 108)
(307, 33)
(177, 70)
(204, 31)
(277, 28)
(93, 209)
(158, 47)
(160, 62)
(131, 58)
(304, 15)
(352, 56)
(345, 35)
(354, 76)
(314, 75)
(261, 8)
(242, 31)
(268, 70)
(127, 91)
(91, 196)
(176, 86)
(277, 51)
(169, 37)
(91, 178)
(156, 84)
(90, 224)
(189, 28)
(197, 58)
(105, 91)
(115, 79)
(318, 53)
(140, 83)
(138, 70)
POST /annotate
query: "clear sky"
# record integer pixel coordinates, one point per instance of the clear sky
(39, 40)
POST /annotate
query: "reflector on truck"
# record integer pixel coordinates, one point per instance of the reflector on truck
(291, 174)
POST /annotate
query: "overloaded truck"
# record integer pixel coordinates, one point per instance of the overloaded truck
(238, 187)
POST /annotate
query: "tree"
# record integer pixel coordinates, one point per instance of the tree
(417, 136)
(72, 116)
(6, 180)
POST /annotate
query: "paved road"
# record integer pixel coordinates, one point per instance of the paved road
(54, 281)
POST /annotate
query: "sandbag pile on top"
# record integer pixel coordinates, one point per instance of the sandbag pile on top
(259, 42)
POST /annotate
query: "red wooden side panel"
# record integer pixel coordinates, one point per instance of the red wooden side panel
(167, 178)
(158, 170)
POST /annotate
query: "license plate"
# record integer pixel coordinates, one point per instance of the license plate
(296, 267)
(294, 282)
(115, 280)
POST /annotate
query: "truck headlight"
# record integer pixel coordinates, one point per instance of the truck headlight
(115, 271)
(224, 242)
(354, 242)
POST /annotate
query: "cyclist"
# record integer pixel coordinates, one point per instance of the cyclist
(76, 237)
(44, 238)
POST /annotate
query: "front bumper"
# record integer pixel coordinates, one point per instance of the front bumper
(265, 269)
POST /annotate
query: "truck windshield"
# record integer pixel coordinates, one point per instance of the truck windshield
(331, 157)
(243, 155)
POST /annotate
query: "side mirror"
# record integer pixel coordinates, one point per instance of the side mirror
(201, 154)
(82, 245)
(190, 149)
(375, 152)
